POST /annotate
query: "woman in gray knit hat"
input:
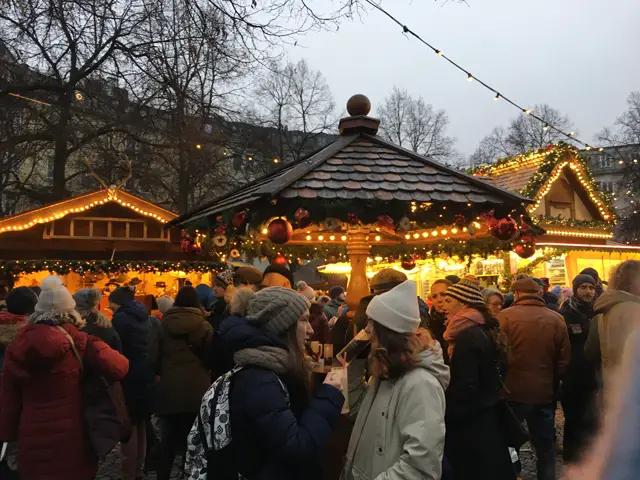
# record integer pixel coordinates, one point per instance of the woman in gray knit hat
(87, 301)
(277, 429)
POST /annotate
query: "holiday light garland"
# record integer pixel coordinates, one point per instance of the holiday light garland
(92, 200)
(551, 162)
(470, 77)
(63, 267)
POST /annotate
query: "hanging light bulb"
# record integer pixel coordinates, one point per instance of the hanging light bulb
(497, 97)
(469, 77)
(545, 128)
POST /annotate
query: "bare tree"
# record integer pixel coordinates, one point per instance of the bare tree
(626, 129)
(523, 134)
(623, 144)
(296, 102)
(56, 49)
(414, 124)
(186, 65)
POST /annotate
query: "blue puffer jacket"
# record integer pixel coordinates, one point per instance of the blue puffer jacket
(132, 323)
(278, 432)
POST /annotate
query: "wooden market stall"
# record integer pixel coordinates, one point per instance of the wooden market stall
(360, 200)
(98, 239)
(578, 218)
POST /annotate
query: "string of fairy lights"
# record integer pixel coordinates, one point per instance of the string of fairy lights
(498, 95)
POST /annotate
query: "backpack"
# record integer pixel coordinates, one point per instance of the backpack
(208, 444)
(106, 419)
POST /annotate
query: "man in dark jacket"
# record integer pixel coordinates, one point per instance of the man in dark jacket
(437, 317)
(539, 355)
(131, 321)
(579, 382)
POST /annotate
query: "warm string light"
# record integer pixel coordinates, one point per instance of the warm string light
(63, 213)
(567, 233)
(526, 111)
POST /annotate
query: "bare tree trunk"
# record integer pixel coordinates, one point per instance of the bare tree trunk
(61, 154)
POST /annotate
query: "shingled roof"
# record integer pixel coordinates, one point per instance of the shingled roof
(362, 166)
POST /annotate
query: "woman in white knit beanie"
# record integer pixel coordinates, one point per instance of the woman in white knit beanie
(41, 392)
(399, 431)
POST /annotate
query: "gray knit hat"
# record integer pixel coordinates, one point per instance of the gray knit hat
(276, 309)
(87, 299)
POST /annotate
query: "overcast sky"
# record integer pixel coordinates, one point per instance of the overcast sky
(580, 56)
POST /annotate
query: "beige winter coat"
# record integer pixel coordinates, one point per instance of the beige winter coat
(619, 316)
(409, 428)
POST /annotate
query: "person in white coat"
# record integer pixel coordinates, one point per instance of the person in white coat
(399, 432)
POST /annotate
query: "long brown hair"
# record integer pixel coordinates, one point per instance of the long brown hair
(396, 354)
(497, 335)
(298, 365)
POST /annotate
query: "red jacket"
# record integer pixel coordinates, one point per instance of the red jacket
(41, 402)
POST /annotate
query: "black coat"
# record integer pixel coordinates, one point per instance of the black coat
(277, 431)
(580, 375)
(108, 335)
(475, 444)
(437, 327)
(132, 323)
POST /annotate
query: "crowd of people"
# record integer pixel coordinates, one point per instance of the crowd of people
(224, 373)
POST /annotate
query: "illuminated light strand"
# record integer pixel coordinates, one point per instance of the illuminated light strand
(63, 213)
(498, 94)
(590, 245)
(567, 233)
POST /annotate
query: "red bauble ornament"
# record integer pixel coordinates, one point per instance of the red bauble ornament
(279, 231)
(185, 246)
(353, 219)
(303, 217)
(408, 263)
(505, 229)
(527, 238)
(279, 259)
(461, 220)
(238, 219)
(525, 250)
(385, 221)
(221, 229)
(489, 218)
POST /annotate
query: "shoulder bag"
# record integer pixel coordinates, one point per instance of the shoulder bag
(106, 419)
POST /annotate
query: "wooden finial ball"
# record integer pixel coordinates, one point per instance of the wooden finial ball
(358, 105)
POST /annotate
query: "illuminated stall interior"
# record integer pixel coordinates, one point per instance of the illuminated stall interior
(578, 218)
(101, 239)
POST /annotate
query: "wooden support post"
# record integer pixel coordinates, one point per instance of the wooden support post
(358, 250)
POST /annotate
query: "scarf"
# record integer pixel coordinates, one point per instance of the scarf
(272, 358)
(580, 306)
(57, 318)
(465, 318)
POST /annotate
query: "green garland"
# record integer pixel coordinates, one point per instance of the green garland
(529, 267)
(251, 248)
(63, 267)
(572, 222)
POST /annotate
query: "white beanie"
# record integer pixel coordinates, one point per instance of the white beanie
(165, 302)
(397, 309)
(54, 297)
